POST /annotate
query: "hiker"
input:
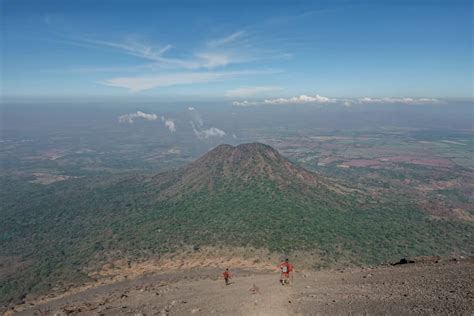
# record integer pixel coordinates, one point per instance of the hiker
(227, 276)
(285, 268)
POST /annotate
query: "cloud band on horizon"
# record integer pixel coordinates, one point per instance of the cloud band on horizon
(318, 99)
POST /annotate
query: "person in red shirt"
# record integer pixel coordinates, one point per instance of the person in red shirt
(285, 268)
(227, 276)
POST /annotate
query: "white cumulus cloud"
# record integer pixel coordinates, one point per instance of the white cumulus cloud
(207, 133)
(130, 118)
(171, 125)
(317, 99)
(302, 99)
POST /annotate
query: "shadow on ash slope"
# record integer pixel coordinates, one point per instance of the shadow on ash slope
(428, 286)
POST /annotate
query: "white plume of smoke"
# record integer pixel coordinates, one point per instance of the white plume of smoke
(197, 125)
(130, 118)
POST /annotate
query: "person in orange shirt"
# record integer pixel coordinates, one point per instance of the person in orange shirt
(227, 276)
(285, 268)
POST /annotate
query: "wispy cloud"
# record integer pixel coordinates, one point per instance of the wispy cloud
(201, 66)
(141, 83)
(207, 59)
(250, 91)
(165, 65)
(214, 60)
(225, 40)
(136, 48)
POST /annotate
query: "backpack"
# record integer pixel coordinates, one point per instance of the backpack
(284, 268)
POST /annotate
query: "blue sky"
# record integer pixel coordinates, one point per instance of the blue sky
(237, 50)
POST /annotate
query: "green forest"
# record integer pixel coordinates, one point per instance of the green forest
(59, 229)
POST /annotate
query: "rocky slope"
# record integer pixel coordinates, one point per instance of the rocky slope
(428, 286)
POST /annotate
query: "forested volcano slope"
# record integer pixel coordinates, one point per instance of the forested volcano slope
(246, 196)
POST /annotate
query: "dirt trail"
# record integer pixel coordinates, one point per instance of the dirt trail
(426, 287)
(200, 292)
(269, 297)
